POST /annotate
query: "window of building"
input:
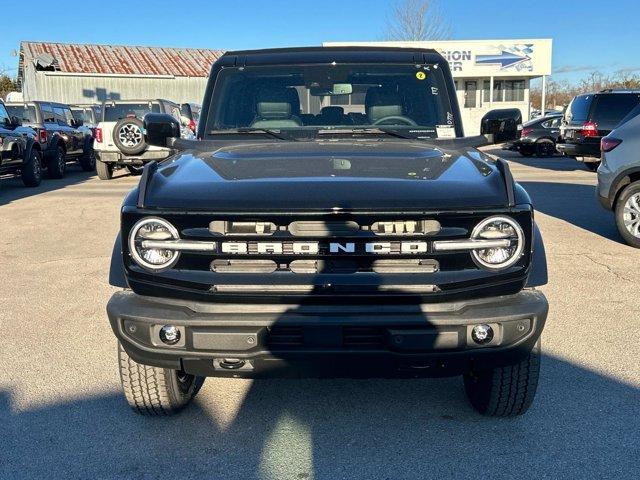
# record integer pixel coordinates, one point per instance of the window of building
(470, 88)
(504, 90)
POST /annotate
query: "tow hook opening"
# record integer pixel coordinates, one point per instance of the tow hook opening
(230, 363)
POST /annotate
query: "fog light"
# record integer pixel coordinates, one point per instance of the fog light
(170, 334)
(482, 334)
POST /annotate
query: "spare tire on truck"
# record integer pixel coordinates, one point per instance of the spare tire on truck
(128, 136)
(502, 123)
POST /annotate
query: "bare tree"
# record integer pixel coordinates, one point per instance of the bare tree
(417, 20)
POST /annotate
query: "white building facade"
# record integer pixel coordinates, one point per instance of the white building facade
(488, 74)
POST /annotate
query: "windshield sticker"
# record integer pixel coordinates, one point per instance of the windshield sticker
(421, 75)
(434, 91)
(445, 131)
(450, 118)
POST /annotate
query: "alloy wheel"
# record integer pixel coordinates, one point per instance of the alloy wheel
(130, 135)
(631, 215)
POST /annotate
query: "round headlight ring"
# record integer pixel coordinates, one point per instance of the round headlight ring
(133, 251)
(515, 256)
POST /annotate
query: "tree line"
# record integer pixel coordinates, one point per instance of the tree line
(560, 92)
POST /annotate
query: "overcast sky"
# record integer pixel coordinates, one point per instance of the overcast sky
(587, 35)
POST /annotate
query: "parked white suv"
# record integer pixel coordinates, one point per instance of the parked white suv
(119, 136)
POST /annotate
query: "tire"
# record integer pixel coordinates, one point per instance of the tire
(628, 214)
(32, 169)
(545, 148)
(128, 136)
(88, 159)
(135, 171)
(155, 391)
(505, 391)
(591, 166)
(57, 163)
(526, 151)
(105, 170)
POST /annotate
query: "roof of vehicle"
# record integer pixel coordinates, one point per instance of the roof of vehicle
(139, 100)
(334, 54)
(31, 102)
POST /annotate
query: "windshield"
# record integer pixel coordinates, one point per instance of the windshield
(25, 113)
(407, 98)
(113, 113)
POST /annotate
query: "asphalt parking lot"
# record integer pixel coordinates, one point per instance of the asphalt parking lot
(62, 414)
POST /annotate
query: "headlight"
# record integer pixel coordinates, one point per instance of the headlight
(498, 228)
(152, 228)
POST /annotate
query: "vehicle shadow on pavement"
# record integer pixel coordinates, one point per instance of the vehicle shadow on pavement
(582, 424)
(12, 188)
(574, 203)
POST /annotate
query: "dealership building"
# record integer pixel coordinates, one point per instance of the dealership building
(488, 74)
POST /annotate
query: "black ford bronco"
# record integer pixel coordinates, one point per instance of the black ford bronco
(330, 220)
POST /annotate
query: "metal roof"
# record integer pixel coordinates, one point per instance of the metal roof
(127, 60)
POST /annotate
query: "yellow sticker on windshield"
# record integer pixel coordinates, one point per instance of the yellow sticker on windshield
(421, 75)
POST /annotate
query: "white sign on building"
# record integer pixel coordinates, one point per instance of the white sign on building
(488, 74)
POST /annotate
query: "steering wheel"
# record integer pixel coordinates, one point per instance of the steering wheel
(395, 118)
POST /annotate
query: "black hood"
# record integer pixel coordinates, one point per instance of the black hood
(327, 175)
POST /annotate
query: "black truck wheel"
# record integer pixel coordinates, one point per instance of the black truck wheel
(504, 391)
(57, 163)
(628, 214)
(545, 148)
(592, 166)
(32, 169)
(128, 136)
(156, 391)
(88, 158)
(105, 170)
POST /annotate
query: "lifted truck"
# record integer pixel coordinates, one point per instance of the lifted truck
(331, 220)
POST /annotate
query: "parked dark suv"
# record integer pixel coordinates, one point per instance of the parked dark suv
(19, 152)
(590, 117)
(60, 135)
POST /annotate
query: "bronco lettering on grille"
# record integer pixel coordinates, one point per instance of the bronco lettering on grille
(314, 248)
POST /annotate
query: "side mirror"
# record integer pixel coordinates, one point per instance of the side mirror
(160, 129)
(77, 123)
(501, 124)
(15, 121)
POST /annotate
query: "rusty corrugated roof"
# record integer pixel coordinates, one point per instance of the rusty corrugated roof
(119, 59)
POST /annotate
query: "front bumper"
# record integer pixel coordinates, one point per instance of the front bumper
(382, 340)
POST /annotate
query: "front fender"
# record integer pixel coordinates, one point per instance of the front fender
(117, 276)
(538, 275)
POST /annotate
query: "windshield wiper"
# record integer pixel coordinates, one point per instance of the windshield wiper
(374, 130)
(272, 133)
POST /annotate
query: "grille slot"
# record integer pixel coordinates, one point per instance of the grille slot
(285, 337)
(362, 337)
(406, 266)
(309, 228)
(244, 266)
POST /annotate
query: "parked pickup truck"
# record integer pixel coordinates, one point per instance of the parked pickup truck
(286, 241)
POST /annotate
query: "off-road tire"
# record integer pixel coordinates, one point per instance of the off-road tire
(137, 127)
(629, 191)
(526, 151)
(155, 391)
(57, 163)
(591, 166)
(545, 148)
(88, 159)
(105, 170)
(505, 391)
(135, 171)
(32, 169)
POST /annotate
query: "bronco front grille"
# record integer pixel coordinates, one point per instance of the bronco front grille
(326, 256)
